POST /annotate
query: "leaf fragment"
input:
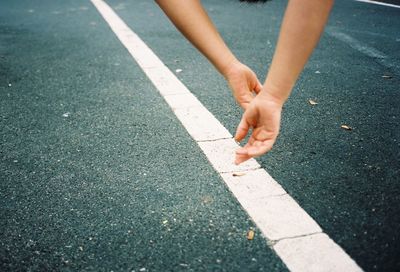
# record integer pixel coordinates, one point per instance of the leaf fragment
(312, 102)
(346, 127)
(250, 235)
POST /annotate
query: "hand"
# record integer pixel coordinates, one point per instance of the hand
(243, 82)
(263, 115)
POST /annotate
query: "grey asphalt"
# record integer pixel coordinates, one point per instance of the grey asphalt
(98, 175)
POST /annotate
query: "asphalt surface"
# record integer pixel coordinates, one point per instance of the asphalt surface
(97, 174)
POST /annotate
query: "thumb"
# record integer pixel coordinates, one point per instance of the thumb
(242, 129)
(258, 87)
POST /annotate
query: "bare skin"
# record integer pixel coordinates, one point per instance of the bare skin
(301, 29)
(193, 22)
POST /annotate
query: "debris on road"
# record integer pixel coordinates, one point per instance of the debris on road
(66, 114)
(178, 70)
(312, 102)
(387, 76)
(238, 174)
(250, 235)
(346, 127)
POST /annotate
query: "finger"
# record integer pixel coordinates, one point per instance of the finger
(241, 158)
(258, 87)
(259, 148)
(242, 129)
(244, 105)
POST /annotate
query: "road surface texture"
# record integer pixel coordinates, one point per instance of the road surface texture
(98, 174)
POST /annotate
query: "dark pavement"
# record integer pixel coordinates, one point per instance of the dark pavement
(97, 174)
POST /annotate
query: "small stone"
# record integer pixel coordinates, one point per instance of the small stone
(142, 269)
(178, 70)
(65, 115)
(317, 72)
(9, 85)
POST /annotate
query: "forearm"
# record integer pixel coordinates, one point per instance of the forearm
(192, 20)
(301, 29)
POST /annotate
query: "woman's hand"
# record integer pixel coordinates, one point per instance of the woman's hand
(243, 82)
(263, 116)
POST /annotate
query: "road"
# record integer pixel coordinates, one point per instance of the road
(98, 174)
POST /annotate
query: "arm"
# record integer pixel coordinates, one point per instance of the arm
(193, 22)
(301, 29)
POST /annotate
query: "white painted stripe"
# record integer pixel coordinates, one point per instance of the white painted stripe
(276, 214)
(369, 51)
(379, 3)
(201, 124)
(314, 253)
(221, 153)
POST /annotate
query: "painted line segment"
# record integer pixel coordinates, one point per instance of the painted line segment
(275, 213)
(379, 3)
(369, 51)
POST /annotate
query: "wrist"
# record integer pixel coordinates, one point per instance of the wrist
(272, 96)
(278, 93)
(230, 67)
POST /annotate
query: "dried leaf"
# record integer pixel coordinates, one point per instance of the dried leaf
(238, 174)
(250, 235)
(312, 102)
(346, 127)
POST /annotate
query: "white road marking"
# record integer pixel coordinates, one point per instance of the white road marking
(379, 3)
(221, 152)
(369, 51)
(326, 256)
(277, 215)
(201, 124)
